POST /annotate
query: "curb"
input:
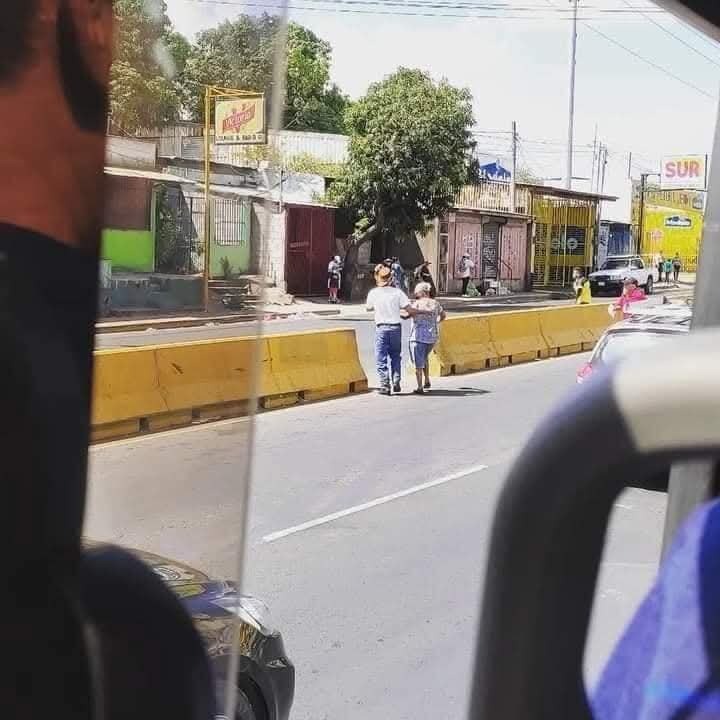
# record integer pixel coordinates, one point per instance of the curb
(103, 328)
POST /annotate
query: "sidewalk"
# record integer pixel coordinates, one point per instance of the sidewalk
(159, 320)
(319, 307)
(312, 307)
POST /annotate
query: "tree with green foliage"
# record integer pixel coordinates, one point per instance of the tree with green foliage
(241, 55)
(411, 148)
(311, 102)
(147, 73)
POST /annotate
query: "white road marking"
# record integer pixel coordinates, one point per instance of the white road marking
(371, 504)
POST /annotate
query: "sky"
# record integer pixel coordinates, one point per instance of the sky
(516, 65)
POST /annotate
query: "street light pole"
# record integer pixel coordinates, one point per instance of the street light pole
(641, 210)
(206, 218)
(571, 101)
(513, 169)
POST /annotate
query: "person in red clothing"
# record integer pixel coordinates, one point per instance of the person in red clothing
(631, 293)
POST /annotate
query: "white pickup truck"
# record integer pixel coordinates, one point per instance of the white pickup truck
(609, 278)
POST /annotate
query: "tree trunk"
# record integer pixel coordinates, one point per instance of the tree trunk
(352, 247)
(349, 270)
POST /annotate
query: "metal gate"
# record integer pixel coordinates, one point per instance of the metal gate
(490, 246)
(564, 232)
(310, 240)
(179, 221)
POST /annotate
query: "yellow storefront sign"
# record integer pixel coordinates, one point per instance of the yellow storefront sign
(673, 223)
(240, 121)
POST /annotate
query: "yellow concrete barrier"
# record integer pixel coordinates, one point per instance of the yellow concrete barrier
(162, 386)
(595, 319)
(565, 329)
(464, 346)
(126, 387)
(517, 336)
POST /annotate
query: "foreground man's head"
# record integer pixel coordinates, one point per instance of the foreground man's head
(55, 58)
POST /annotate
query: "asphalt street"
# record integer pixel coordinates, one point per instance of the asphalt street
(368, 530)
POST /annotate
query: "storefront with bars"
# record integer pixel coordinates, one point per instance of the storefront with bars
(564, 234)
(497, 244)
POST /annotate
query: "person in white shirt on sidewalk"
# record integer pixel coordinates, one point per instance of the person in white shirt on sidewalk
(466, 271)
(389, 304)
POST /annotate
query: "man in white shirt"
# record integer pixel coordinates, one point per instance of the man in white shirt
(389, 304)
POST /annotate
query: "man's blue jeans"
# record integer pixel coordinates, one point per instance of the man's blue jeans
(388, 346)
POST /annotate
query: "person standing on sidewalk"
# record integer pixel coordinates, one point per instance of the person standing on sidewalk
(424, 334)
(660, 265)
(398, 274)
(667, 267)
(334, 278)
(466, 268)
(388, 303)
(581, 285)
(677, 266)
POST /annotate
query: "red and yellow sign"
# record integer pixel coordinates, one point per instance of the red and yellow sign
(240, 121)
(683, 172)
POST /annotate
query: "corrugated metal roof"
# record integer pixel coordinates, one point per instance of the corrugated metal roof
(131, 152)
(323, 147)
(564, 192)
(144, 174)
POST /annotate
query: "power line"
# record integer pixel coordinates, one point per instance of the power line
(713, 43)
(672, 34)
(650, 62)
(364, 7)
(640, 57)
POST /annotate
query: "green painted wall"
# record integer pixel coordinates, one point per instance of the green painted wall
(231, 238)
(132, 250)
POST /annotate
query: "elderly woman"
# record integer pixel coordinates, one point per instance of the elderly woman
(424, 333)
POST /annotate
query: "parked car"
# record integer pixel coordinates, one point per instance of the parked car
(646, 331)
(609, 278)
(266, 678)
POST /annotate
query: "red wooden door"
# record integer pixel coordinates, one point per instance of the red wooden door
(297, 261)
(322, 234)
(310, 239)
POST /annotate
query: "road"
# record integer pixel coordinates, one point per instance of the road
(368, 530)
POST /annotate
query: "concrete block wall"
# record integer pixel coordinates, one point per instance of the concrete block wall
(268, 242)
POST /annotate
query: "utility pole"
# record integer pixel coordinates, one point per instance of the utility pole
(513, 169)
(571, 101)
(641, 212)
(206, 219)
(596, 159)
(641, 219)
(603, 159)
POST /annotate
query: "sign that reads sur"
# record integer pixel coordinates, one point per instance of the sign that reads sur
(684, 172)
(240, 121)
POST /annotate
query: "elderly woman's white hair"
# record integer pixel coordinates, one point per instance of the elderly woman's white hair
(423, 289)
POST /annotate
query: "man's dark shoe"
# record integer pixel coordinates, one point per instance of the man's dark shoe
(397, 389)
(384, 391)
